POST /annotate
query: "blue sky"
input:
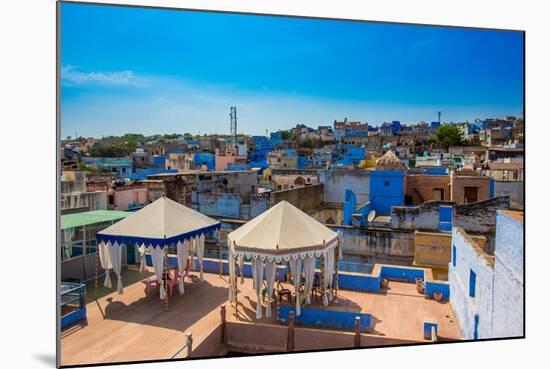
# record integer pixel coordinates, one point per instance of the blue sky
(163, 71)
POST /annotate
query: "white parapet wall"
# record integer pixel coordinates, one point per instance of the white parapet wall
(470, 258)
(508, 295)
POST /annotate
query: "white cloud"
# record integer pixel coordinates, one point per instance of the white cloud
(73, 76)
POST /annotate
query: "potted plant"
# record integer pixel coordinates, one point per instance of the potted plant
(420, 287)
(384, 283)
(419, 280)
(438, 296)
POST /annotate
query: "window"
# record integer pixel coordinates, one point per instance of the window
(438, 194)
(454, 256)
(472, 283)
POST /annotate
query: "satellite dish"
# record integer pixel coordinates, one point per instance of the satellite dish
(371, 216)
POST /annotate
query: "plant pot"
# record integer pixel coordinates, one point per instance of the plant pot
(384, 283)
(420, 287)
(419, 280)
(438, 296)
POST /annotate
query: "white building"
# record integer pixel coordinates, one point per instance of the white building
(487, 291)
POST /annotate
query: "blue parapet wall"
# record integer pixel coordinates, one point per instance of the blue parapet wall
(346, 280)
(432, 287)
(325, 318)
(401, 274)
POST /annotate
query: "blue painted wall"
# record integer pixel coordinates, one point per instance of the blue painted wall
(205, 158)
(387, 189)
(325, 318)
(401, 274)
(433, 287)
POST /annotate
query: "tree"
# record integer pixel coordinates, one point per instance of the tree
(448, 135)
(286, 134)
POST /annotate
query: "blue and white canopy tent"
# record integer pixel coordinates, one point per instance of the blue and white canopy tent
(158, 225)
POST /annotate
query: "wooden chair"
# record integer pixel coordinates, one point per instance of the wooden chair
(172, 279)
(151, 281)
(316, 291)
(282, 292)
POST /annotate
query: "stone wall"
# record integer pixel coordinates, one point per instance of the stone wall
(218, 204)
(469, 257)
(421, 187)
(432, 250)
(477, 217)
(424, 217)
(378, 245)
(337, 181)
(304, 198)
(480, 218)
(515, 190)
(508, 295)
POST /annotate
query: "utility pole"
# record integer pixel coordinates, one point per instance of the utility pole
(233, 125)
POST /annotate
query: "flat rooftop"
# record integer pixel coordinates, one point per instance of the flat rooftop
(134, 326)
(514, 214)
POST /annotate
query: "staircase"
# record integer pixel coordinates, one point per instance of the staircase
(419, 195)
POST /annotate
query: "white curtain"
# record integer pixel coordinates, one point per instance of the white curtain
(141, 250)
(105, 258)
(183, 256)
(309, 272)
(192, 248)
(296, 270)
(116, 261)
(257, 276)
(327, 276)
(200, 254)
(157, 255)
(270, 273)
(68, 235)
(241, 268)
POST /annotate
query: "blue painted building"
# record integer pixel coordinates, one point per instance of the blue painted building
(353, 155)
(387, 189)
(205, 158)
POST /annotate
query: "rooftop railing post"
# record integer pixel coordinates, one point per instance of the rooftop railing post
(357, 342)
(96, 270)
(189, 343)
(290, 338)
(223, 317)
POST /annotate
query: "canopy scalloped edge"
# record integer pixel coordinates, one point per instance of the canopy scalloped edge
(155, 242)
(285, 257)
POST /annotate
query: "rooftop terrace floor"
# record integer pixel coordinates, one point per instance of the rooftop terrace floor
(134, 326)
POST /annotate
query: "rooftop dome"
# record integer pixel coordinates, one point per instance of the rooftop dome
(389, 161)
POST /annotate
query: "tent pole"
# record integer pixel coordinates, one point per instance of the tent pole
(322, 273)
(165, 278)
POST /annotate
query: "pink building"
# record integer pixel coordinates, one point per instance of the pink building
(124, 196)
(230, 157)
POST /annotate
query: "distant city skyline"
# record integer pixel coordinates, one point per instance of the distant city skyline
(155, 71)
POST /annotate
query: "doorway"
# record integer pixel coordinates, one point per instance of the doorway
(470, 194)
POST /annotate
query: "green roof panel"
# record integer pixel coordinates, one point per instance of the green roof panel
(91, 217)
